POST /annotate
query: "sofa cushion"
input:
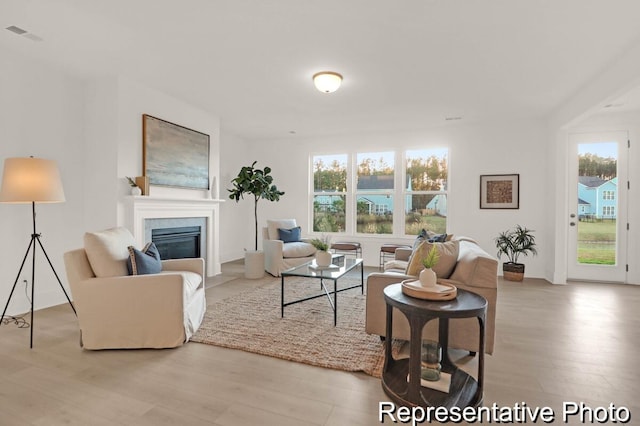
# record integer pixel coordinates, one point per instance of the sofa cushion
(274, 224)
(145, 261)
(289, 235)
(107, 251)
(298, 249)
(448, 257)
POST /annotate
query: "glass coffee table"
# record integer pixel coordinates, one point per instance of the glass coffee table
(340, 266)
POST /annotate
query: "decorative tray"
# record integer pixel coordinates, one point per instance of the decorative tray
(439, 292)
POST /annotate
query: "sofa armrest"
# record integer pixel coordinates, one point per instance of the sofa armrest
(189, 265)
(403, 254)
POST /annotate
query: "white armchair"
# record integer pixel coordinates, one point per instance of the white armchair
(119, 311)
(279, 255)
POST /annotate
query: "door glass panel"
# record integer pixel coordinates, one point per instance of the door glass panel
(597, 203)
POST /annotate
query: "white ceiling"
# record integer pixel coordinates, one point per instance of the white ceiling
(407, 64)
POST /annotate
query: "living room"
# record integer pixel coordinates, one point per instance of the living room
(54, 106)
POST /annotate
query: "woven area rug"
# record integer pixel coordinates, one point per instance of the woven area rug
(251, 322)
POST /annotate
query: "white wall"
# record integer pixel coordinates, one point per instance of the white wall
(41, 114)
(518, 147)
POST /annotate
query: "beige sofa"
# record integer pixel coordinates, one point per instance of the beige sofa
(121, 311)
(280, 256)
(474, 270)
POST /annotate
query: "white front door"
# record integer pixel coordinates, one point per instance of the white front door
(598, 206)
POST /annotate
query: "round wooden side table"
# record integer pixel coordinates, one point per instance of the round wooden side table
(465, 390)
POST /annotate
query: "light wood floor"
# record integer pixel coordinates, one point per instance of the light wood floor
(554, 344)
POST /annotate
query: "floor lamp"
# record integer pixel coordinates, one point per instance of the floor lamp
(32, 180)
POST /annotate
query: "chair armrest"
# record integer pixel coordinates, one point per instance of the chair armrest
(188, 265)
(403, 254)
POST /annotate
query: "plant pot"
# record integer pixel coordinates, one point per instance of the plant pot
(323, 258)
(513, 271)
(253, 264)
(427, 278)
(135, 190)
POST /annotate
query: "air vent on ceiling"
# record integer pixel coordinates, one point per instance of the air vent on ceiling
(16, 30)
(25, 33)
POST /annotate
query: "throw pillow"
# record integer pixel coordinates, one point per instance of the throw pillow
(145, 261)
(438, 238)
(107, 251)
(289, 235)
(448, 258)
(274, 224)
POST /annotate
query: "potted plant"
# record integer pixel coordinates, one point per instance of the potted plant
(258, 183)
(323, 257)
(135, 189)
(513, 243)
(428, 276)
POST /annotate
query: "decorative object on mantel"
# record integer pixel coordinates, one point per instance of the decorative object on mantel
(323, 256)
(173, 155)
(143, 184)
(513, 243)
(135, 189)
(30, 181)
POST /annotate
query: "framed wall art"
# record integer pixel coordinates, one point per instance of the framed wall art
(500, 191)
(173, 155)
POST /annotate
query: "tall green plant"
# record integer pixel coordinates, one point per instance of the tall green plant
(258, 183)
(515, 242)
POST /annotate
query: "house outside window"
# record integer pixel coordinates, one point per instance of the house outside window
(329, 192)
(608, 195)
(425, 194)
(375, 192)
(357, 193)
(608, 211)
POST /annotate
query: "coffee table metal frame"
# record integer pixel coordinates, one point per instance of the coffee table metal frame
(465, 390)
(306, 271)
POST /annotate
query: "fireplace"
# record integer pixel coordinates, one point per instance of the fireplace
(177, 242)
(147, 213)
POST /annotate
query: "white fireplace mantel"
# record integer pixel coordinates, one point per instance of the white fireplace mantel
(140, 208)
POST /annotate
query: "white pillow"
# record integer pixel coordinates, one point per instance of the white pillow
(298, 249)
(273, 225)
(107, 251)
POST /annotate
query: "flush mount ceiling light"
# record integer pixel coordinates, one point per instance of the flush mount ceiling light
(327, 81)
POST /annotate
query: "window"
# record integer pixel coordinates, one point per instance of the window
(329, 192)
(608, 195)
(374, 193)
(425, 193)
(608, 211)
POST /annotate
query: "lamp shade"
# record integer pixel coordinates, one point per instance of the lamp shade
(327, 81)
(26, 180)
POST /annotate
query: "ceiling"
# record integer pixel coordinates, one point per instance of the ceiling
(407, 64)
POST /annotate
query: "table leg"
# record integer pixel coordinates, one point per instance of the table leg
(362, 278)
(443, 338)
(335, 302)
(282, 296)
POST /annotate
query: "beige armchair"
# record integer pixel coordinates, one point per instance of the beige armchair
(118, 311)
(279, 255)
(475, 270)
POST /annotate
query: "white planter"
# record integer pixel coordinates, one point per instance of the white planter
(253, 264)
(427, 278)
(135, 190)
(323, 258)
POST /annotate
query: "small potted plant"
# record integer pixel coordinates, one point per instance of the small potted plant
(322, 244)
(513, 243)
(135, 189)
(427, 276)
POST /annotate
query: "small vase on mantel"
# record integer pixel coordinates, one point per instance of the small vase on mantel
(427, 278)
(323, 258)
(135, 190)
